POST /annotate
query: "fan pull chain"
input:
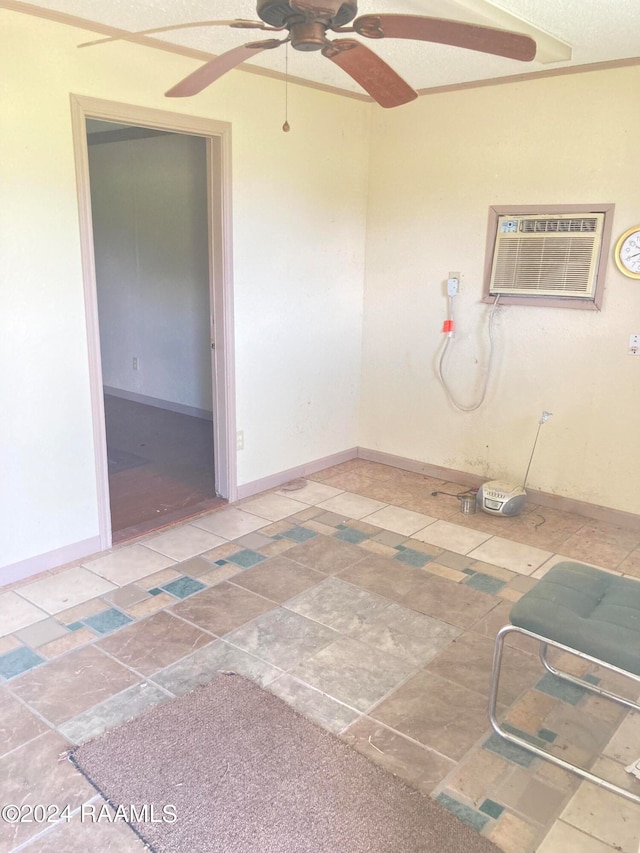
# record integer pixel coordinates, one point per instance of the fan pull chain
(286, 127)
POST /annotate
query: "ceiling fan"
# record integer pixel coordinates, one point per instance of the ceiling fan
(307, 23)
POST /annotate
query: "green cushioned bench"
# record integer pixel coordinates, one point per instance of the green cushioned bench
(586, 612)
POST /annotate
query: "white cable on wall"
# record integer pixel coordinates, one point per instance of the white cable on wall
(447, 390)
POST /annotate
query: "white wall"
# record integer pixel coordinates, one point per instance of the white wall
(299, 203)
(149, 211)
(436, 167)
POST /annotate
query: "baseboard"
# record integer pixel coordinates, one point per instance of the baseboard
(50, 560)
(601, 513)
(247, 490)
(158, 403)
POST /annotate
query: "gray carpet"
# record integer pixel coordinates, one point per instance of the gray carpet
(247, 774)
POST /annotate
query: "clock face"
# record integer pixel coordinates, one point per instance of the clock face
(628, 253)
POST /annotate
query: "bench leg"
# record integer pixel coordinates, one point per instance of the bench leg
(534, 748)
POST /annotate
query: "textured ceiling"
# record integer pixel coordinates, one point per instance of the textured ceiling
(568, 33)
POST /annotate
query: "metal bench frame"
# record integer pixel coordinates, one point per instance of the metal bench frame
(544, 643)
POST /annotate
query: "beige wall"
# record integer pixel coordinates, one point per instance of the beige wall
(299, 204)
(436, 166)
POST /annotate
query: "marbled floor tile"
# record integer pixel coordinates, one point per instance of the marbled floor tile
(16, 613)
(606, 816)
(530, 797)
(523, 559)
(82, 836)
(221, 608)
(351, 504)
(631, 564)
(309, 492)
(282, 638)
(477, 775)
(315, 705)
(129, 564)
(624, 746)
(579, 736)
(338, 605)
(419, 766)
(67, 589)
(514, 835)
(34, 774)
(230, 523)
(386, 576)
(590, 548)
(18, 724)
(438, 713)
(279, 579)
(273, 506)
(564, 838)
(41, 633)
(468, 661)
(353, 672)
(325, 554)
(453, 537)
(199, 668)
(406, 634)
(154, 642)
(113, 712)
(72, 684)
(399, 520)
(184, 541)
(448, 601)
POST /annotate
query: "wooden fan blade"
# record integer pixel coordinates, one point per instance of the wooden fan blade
(122, 35)
(215, 68)
(372, 73)
(457, 33)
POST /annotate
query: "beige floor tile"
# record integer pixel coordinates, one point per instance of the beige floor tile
(523, 559)
(69, 588)
(310, 492)
(399, 520)
(352, 505)
(129, 564)
(273, 507)
(564, 838)
(184, 541)
(230, 522)
(453, 537)
(608, 817)
(16, 613)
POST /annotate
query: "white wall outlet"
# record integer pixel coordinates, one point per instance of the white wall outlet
(453, 283)
(240, 439)
(634, 345)
(135, 362)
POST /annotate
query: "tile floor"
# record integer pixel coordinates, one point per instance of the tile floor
(360, 598)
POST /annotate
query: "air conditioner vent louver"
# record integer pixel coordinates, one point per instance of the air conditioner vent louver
(538, 225)
(546, 255)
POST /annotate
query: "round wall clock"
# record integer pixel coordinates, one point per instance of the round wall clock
(627, 252)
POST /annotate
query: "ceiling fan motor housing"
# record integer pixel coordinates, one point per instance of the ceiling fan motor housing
(276, 13)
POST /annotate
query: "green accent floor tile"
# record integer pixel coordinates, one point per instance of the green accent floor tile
(413, 558)
(464, 813)
(484, 583)
(546, 734)
(510, 751)
(492, 808)
(18, 661)
(75, 626)
(107, 621)
(246, 558)
(350, 534)
(299, 534)
(183, 587)
(559, 689)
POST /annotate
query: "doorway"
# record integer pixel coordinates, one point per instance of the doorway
(157, 284)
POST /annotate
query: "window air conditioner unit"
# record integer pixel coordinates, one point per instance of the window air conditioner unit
(547, 255)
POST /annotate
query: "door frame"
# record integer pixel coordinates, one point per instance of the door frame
(218, 145)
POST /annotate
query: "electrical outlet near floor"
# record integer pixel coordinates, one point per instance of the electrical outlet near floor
(240, 439)
(634, 345)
